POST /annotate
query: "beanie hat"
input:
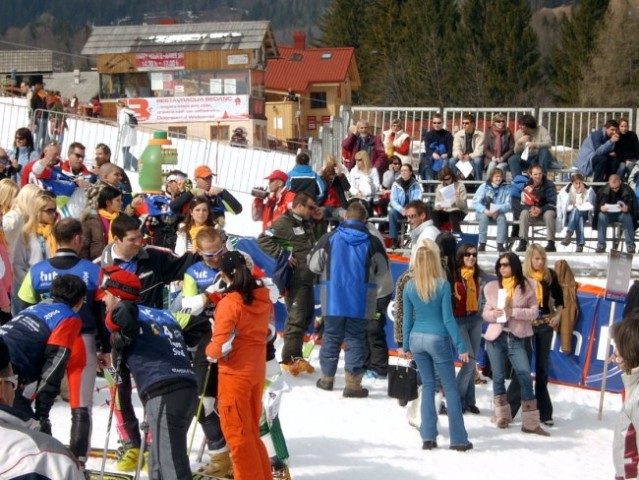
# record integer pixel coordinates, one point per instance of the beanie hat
(230, 261)
(5, 359)
(122, 284)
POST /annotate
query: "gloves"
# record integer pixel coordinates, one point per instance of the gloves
(45, 425)
(119, 341)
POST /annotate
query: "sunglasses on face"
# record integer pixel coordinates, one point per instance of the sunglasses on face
(470, 254)
(502, 265)
(50, 211)
(79, 155)
(213, 254)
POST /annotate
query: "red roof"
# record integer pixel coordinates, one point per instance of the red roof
(299, 68)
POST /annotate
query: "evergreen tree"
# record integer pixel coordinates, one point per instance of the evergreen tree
(571, 58)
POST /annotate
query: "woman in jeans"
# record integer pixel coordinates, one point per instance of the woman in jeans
(510, 324)
(547, 290)
(466, 293)
(430, 331)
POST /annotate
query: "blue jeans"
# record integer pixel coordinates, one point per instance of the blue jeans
(393, 222)
(624, 218)
(503, 166)
(351, 331)
(576, 220)
(543, 158)
(425, 170)
(433, 354)
(502, 227)
(470, 330)
(478, 166)
(508, 345)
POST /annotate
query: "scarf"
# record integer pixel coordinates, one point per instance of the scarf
(538, 277)
(509, 284)
(109, 217)
(471, 289)
(406, 184)
(193, 231)
(46, 234)
(498, 143)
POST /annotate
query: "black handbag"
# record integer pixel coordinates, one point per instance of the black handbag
(402, 382)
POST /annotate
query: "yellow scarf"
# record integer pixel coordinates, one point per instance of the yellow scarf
(193, 231)
(46, 232)
(509, 284)
(538, 276)
(110, 217)
(471, 289)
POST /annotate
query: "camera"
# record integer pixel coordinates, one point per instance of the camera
(259, 192)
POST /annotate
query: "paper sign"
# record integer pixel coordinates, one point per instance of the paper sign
(619, 270)
(502, 297)
(495, 207)
(585, 207)
(525, 154)
(465, 167)
(613, 207)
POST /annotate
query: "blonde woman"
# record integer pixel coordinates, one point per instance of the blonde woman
(14, 219)
(548, 292)
(364, 179)
(430, 330)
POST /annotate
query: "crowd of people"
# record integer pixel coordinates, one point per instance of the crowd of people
(87, 264)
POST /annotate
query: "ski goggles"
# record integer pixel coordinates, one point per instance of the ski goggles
(213, 254)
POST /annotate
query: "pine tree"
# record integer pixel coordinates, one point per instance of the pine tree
(571, 59)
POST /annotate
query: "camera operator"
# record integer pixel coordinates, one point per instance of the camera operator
(270, 204)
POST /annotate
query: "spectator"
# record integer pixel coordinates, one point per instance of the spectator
(294, 231)
(596, 156)
(96, 227)
(396, 142)
(24, 150)
(532, 146)
(50, 157)
(278, 200)
(221, 200)
(491, 203)
(421, 225)
(335, 177)
(509, 325)
(392, 173)
(438, 148)
(539, 207)
(404, 190)
(626, 149)
(364, 179)
(74, 167)
(198, 217)
(616, 202)
(519, 182)
(575, 204)
(429, 334)
(468, 146)
(39, 114)
(500, 144)
(466, 298)
(359, 138)
(8, 167)
(361, 258)
(450, 213)
(27, 452)
(302, 178)
(239, 345)
(550, 298)
(128, 135)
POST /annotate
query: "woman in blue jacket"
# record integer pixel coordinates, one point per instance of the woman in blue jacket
(430, 331)
(403, 191)
(491, 203)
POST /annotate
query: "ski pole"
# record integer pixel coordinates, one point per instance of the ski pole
(116, 380)
(199, 407)
(144, 426)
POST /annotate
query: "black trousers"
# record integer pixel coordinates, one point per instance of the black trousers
(377, 358)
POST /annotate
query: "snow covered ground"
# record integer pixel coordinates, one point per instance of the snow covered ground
(330, 437)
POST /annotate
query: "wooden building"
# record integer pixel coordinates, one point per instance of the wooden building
(200, 79)
(306, 86)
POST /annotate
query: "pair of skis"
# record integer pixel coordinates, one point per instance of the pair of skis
(97, 475)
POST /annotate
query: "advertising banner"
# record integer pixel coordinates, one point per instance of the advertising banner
(145, 62)
(210, 108)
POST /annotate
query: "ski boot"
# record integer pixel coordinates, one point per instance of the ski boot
(127, 458)
(279, 469)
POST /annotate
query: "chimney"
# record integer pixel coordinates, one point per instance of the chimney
(299, 40)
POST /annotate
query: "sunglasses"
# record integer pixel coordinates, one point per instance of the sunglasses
(213, 254)
(470, 254)
(20, 138)
(437, 123)
(501, 265)
(447, 179)
(465, 123)
(13, 380)
(50, 211)
(79, 155)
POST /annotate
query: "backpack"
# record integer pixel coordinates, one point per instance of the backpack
(133, 121)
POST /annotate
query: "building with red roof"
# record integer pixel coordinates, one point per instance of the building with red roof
(306, 86)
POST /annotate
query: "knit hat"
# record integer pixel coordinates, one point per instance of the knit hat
(230, 261)
(122, 284)
(203, 172)
(5, 358)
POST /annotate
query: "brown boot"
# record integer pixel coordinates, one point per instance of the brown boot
(502, 417)
(353, 388)
(530, 418)
(219, 466)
